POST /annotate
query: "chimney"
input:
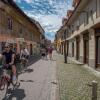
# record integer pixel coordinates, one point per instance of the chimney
(64, 20)
(75, 3)
(69, 13)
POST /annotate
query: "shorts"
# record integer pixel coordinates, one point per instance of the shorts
(27, 57)
(7, 67)
(43, 54)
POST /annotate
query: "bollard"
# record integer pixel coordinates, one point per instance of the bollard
(94, 90)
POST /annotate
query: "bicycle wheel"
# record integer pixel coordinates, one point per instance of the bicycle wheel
(3, 87)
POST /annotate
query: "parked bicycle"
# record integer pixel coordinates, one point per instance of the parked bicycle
(6, 80)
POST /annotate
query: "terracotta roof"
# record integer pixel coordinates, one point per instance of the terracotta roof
(75, 2)
(73, 11)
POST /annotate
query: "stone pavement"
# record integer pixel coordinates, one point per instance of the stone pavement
(38, 82)
(73, 79)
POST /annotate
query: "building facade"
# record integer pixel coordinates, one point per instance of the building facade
(19, 29)
(59, 40)
(83, 32)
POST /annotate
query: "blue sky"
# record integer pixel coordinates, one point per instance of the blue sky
(49, 13)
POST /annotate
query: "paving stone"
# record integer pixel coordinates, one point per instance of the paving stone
(73, 79)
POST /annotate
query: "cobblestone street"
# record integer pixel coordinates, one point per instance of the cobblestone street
(73, 80)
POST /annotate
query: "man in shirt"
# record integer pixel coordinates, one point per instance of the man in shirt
(9, 57)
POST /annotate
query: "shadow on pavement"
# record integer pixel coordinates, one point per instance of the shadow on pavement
(17, 94)
(27, 81)
(26, 71)
(47, 59)
(29, 70)
(53, 60)
(33, 59)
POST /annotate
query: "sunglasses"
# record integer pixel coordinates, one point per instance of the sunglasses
(6, 47)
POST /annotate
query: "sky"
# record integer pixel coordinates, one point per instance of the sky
(48, 13)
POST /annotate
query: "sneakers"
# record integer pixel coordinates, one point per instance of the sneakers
(14, 79)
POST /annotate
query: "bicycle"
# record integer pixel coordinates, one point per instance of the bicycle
(23, 63)
(6, 81)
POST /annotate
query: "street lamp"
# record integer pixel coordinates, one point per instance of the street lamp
(65, 55)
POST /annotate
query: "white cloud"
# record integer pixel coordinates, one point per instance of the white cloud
(51, 22)
(18, 1)
(28, 1)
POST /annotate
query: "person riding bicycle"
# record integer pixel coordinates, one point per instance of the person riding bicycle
(9, 63)
(24, 54)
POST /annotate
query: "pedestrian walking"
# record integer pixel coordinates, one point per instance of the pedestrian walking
(27, 54)
(50, 49)
(24, 54)
(46, 49)
(43, 53)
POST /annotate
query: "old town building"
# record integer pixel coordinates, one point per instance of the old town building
(83, 33)
(58, 40)
(18, 28)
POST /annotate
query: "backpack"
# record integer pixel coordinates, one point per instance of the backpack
(17, 58)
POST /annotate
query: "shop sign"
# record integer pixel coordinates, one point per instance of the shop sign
(11, 41)
(20, 39)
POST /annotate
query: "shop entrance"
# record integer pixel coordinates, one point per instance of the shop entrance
(98, 48)
(86, 48)
(77, 48)
(72, 49)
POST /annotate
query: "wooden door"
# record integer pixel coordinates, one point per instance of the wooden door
(77, 48)
(73, 49)
(86, 48)
(86, 51)
(98, 51)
